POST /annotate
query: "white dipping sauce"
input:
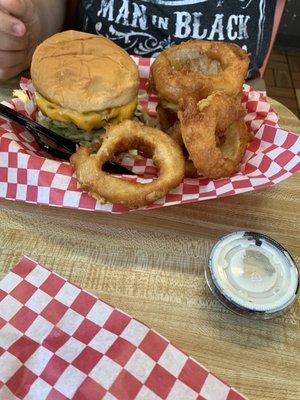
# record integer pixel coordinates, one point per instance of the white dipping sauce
(252, 274)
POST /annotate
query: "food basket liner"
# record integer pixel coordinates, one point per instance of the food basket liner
(27, 174)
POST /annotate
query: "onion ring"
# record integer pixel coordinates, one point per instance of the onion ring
(197, 68)
(104, 187)
(166, 117)
(189, 168)
(200, 123)
(175, 133)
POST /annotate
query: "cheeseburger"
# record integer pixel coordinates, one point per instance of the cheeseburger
(83, 82)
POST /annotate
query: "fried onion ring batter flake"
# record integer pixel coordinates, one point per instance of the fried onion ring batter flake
(102, 186)
(200, 123)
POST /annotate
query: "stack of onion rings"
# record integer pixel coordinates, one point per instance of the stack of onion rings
(166, 154)
(211, 73)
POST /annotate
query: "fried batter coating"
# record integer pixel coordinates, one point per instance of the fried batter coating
(200, 124)
(197, 68)
(166, 154)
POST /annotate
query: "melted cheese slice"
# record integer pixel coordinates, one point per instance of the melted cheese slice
(89, 120)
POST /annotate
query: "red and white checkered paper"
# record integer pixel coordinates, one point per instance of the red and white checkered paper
(59, 342)
(27, 174)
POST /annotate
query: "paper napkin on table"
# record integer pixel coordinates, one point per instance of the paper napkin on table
(59, 342)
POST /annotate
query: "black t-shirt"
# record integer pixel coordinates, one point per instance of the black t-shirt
(146, 27)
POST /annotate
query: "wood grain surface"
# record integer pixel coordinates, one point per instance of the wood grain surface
(151, 265)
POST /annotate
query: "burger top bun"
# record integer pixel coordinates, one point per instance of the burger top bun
(84, 72)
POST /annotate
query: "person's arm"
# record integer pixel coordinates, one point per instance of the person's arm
(23, 25)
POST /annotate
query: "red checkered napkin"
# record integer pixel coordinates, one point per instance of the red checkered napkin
(27, 174)
(59, 342)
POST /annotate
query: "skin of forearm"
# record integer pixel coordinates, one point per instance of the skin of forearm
(52, 16)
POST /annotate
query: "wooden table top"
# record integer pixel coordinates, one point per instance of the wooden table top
(151, 265)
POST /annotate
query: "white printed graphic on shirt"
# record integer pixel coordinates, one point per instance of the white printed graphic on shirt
(137, 38)
(175, 2)
(262, 17)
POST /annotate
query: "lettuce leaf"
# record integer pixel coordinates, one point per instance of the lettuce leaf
(71, 131)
